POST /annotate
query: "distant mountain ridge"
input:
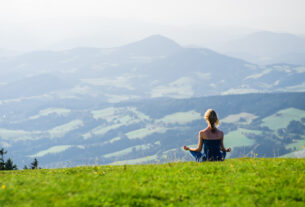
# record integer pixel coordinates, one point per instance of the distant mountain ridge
(267, 48)
(153, 67)
(129, 103)
(155, 45)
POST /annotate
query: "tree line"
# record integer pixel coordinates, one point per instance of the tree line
(9, 164)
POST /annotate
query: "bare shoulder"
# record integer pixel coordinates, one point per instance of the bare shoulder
(202, 132)
(220, 133)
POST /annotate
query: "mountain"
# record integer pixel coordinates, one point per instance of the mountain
(142, 99)
(155, 45)
(65, 133)
(33, 86)
(267, 48)
(153, 67)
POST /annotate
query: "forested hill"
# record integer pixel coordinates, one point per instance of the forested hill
(263, 104)
(85, 132)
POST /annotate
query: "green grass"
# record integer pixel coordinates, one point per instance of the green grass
(56, 132)
(117, 117)
(234, 182)
(120, 114)
(51, 150)
(101, 130)
(18, 135)
(299, 153)
(153, 158)
(180, 117)
(48, 111)
(298, 144)
(236, 118)
(282, 118)
(61, 130)
(238, 138)
(180, 88)
(127, 150)
(143, 132)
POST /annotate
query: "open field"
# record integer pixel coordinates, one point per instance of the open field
(180, 117)
(282, 118)
(234, 182)
(238, 138)
(48, 111)
(143, 132)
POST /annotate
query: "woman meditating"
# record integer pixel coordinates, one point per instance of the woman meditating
(212, 139)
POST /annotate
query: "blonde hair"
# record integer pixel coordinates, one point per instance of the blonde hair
(211, 118)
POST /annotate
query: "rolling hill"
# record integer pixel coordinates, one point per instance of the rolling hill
(141, 102)
(150, 68)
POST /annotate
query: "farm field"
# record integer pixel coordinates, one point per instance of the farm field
(282, 118)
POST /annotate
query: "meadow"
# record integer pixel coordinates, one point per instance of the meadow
(234, 182)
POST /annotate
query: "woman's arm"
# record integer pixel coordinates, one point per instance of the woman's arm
(200, 143)
(222, 146)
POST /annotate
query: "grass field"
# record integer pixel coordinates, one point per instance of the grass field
(180, 117)
(121, 114)
(143, 132)
(101, 130)
(234, 182)
(51, 150)
(241, 118)
(48, 111)
(238, 138)
(298, 144)
(128, 150)
(61, 130)
(282, 118)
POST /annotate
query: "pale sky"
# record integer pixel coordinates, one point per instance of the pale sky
(279, 15)
(271, 15)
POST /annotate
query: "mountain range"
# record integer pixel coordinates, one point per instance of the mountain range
(153, 67)
(142, 101)
(265, 48)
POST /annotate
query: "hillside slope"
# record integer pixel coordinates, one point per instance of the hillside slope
(234, 182)
(153, 67)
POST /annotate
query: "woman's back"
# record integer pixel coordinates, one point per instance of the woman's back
(211, 149)
(211, 139)
(208, 134)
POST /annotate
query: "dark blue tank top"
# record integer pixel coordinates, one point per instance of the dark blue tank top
(212, 149)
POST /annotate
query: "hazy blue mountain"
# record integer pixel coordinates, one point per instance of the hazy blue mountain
(267, 48)
(152, 67)
(155, 45)
(88, 105)
(33, 86)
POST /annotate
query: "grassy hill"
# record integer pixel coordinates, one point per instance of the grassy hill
(234, 182)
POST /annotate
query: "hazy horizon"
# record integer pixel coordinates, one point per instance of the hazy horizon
(33, 24)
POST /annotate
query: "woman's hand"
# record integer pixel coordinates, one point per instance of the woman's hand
(186, 148)
(228, 149)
